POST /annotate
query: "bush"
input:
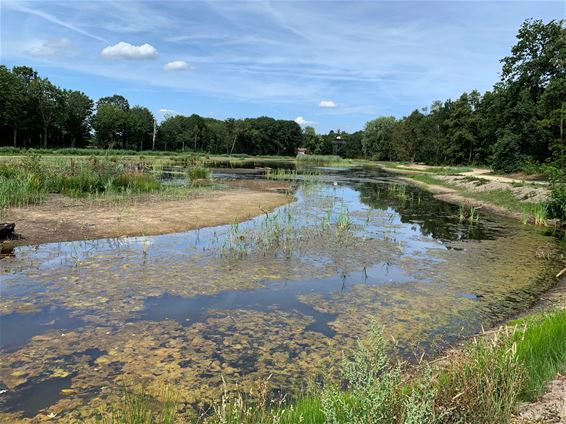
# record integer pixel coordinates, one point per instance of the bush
(507, 155)
(557, 204)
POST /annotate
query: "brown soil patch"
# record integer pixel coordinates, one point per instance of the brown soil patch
(550, 408)
(61, 218)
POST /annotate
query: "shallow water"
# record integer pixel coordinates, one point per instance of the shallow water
(279, 295)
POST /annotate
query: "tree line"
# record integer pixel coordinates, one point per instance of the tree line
(518, 123)
(36, 113)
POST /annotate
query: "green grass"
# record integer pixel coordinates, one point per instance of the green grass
(198, 173)
(320, 160)
(28, 181)
(12, 151)
(542, 350)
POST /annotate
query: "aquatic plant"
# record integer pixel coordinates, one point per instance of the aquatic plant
(461, 213)
(482, 382)
(319, 160)
(398, 190)
(281, 174)
(540, 212)
(197, 173)
(471, 215)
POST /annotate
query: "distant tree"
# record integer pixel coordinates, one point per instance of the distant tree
(407, 136)
(78, 114)
(111, 122)
(354, 144)
(50, 104)
(377, 138)
(140, 126)
(310, 139)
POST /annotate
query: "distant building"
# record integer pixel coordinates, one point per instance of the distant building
(339, 146)
(301, 151)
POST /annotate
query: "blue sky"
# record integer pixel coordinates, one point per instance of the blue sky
(334, 64)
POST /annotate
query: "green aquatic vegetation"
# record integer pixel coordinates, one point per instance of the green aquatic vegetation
(540, 212)
(480, 382)
(398, 190)
(198, 173)
(20, 190)
(471, 215)
(320, 160)
(281, 174)
(29, 182)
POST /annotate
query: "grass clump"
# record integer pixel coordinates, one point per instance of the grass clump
(195, 173)
(541, 347)
(29, 181)
(136, 406)
(320, 160)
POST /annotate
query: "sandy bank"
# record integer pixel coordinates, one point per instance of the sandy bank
(61, 218)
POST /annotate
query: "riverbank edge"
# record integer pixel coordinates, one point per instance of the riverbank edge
(64, 219)
(447, 194)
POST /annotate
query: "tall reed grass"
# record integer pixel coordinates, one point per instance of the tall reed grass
(29, 181)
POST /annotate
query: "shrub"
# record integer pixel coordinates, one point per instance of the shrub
(557, 204)
(507, 154)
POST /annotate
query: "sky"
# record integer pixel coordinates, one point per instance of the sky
(328, 64)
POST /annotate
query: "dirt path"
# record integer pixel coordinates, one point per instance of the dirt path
(550, 408)
(64, 219)
(450, 195)
(486, 174)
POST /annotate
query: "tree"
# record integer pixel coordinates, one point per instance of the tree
(78, 114)
(16, 106)
(50, 104)
(377, 138)
(111, 121)
(140, 125)
(407, 136)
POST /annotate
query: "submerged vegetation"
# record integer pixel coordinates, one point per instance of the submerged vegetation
(482, 382)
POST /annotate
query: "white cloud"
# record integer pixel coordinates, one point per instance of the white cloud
(302, 121)
(53, 47)
(125, 50)
(327, 104)
(167, 113)
(176, 65)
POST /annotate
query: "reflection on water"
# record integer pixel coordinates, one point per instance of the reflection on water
(277, 295)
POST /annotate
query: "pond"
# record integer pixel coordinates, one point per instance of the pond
(282, 296)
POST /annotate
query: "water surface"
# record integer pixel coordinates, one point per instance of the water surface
(279, 295)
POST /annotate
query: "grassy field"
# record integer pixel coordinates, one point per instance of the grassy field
(29, 179)
(481, 383)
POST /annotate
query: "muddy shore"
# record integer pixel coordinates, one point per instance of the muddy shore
(61, 218)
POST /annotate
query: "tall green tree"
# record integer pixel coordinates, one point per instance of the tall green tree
(49, 100)
(140, 126)
(377, 140)
(78, 114)
(111, 122)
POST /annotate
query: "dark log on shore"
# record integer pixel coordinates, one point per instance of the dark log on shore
(6, 230)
